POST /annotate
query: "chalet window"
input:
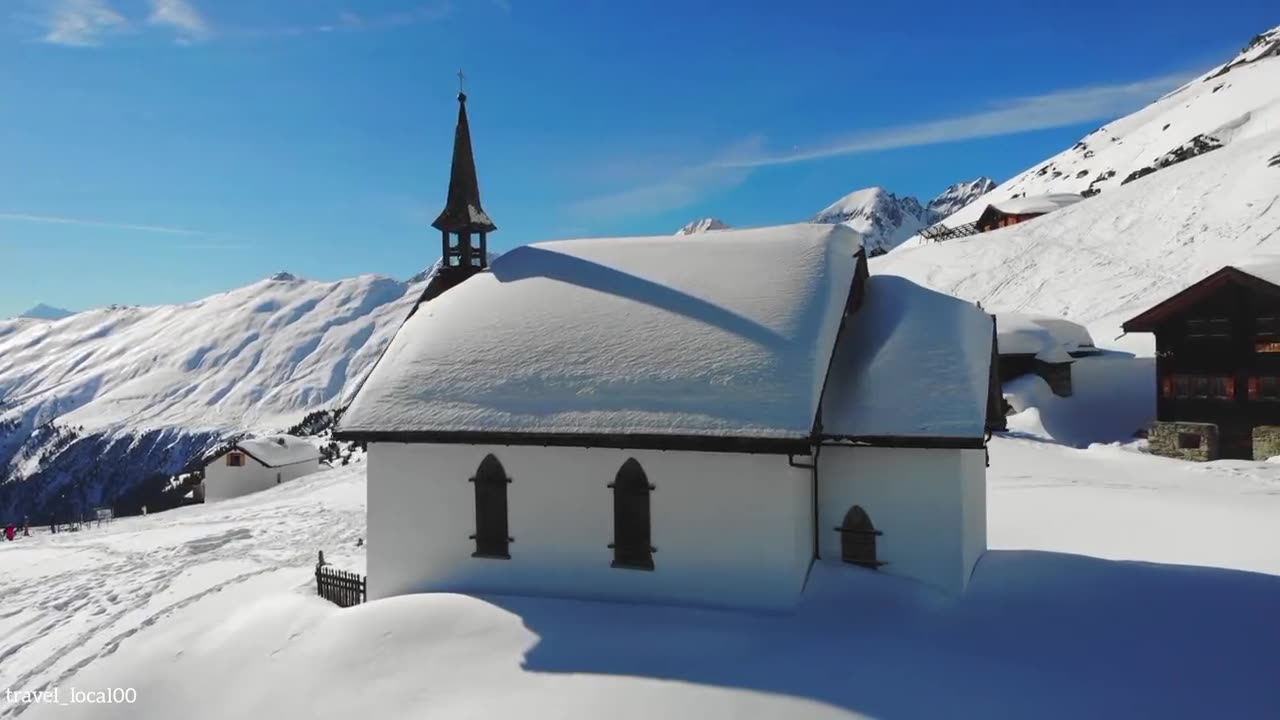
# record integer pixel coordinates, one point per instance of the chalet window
(491, 510)
(631, 523)
(235, 459)
(858, 539)
(1208, 328)
(1184, 387)
(1266, 347)
(1267, 327)
(1188, 441)
(1264, 388)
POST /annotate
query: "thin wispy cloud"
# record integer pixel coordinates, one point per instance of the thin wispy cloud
(105, 225)
(82, 23)
(1008, 117)
(686, 186)
(681, 188)
(88, 23)
(180, 16)
(351, 21)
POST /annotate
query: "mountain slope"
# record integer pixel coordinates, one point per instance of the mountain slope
(957, 196)
(46, 312)
(704, 225)
(886, 220)
(1108, 257)
(100, 401)
(1231, 103)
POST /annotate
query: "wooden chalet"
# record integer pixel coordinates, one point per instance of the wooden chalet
(1002, 214)
(1218, 366)
(1022, 209)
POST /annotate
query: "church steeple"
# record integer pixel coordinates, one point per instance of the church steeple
(463, 217)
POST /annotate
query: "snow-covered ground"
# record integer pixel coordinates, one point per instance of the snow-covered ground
(1118, 585)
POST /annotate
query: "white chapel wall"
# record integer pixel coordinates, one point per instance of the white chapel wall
(730, 529)
(929, 503)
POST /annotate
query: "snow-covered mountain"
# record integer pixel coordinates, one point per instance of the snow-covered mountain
(46, 312)
(1135, 243)
(958, 196)
(94, 404)
(1232, 103)
(704, 225)
(887, 220)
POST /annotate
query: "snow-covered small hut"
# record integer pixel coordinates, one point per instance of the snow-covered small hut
(257, 464)
(1041, 345)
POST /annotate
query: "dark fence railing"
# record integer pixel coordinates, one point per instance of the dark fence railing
(942, 233)
(339, 587)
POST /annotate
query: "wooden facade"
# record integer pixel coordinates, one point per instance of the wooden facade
(1218, 357)
(993, 219)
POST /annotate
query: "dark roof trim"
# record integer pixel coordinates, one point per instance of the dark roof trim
(858, 293)
(691, 443)
(924, 442)
(266, 464)
(1148, 320)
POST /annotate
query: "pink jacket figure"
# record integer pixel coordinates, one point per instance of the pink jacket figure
(8, 533)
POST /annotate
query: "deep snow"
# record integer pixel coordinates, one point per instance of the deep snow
(210, 609)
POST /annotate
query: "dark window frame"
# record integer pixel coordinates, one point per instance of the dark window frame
(1200, 387)
(492, 536)
(632, 518)
(858, 539)
(1264, 388)
(1190, 441)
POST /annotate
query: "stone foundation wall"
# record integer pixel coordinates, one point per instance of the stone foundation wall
(1058, 375)
(1172, 439)
(1266, 442)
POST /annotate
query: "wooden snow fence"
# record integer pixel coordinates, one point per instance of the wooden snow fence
(339, 587)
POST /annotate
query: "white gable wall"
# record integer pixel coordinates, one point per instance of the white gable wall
(730, 529)
(222, 481)
(929, 503)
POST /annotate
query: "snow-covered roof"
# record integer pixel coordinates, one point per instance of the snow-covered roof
(911, 363)
(1037, 203)
(1050, 339)
(280, 450)
(1263, 267)
(725, 334)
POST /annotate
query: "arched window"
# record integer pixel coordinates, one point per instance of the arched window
(631, 529)
(491, 510)
(858, 539)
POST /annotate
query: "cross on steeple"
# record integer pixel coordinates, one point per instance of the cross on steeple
(461, 79)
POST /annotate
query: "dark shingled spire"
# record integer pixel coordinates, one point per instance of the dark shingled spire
(462, 212)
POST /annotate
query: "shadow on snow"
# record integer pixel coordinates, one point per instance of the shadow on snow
(1037, 634)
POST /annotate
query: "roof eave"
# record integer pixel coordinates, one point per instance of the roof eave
(922, 442)
(620, 441)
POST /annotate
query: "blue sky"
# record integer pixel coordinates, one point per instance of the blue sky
(158, 151)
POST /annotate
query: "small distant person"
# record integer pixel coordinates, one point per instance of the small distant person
(8, 533)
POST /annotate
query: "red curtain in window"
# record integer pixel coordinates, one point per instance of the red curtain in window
(1231, 388)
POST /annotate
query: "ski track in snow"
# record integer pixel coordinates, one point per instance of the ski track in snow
(62, 614)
